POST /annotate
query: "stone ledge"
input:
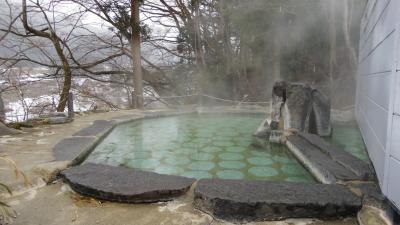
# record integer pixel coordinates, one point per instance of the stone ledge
(323, 167)
(98, 128)
(244, 201)
(338, 154)
(73, 149)
(125, 185)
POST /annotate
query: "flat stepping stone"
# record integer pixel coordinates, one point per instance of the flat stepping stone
(119, 184)
(319, 164)
(73, 149)
(341, 156)
(245, 201)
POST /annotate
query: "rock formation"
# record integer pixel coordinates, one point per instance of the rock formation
(304, 109)
(4, 130)
(263, 131)
(296, 107)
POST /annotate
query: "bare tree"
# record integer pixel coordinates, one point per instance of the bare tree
(49, 33)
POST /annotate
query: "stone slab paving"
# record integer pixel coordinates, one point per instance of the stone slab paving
(321, 165)
(339, 155)
(70, 149)
(241, 201)
(98, 128)
(121, 184)
(370, 192)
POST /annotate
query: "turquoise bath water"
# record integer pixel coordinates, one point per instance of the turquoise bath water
(349, 136)
(198, 146)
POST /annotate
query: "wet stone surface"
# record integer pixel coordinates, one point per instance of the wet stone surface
(370, 192)
(324, 167)
(98, 128)
(125, 185)
(241, 201)
(339, 155)
(69, 149)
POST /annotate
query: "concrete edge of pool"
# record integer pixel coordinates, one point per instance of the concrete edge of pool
(82, 178)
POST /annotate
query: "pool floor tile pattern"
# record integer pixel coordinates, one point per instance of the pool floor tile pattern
(198, 146)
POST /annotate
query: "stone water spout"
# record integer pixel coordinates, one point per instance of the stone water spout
(297, 107)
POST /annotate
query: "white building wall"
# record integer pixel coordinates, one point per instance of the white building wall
(378, 92)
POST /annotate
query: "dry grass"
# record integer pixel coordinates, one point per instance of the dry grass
(6, 212)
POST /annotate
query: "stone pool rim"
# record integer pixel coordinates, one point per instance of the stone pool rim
(77, 148)
(83, 142)
(93, 134)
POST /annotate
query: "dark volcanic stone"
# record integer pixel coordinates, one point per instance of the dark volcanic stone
(298, 106)
(244, 201)
(70, 149)
(121, 184)
(4, 130)
(278, 100)
(321, 111)
(320, 164)
(338, 154)
(98, 128)
(263, 131)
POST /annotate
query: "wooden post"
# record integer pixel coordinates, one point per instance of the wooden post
(71, 105)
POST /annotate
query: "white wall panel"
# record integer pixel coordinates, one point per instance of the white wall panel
(383, 27)
(393, 181)
(378, 91)
(377, 11)
(374, 86)
(377, 61)
(395, 146)
(396, 108)
(375, 148)
(379, 37)
(375, 116)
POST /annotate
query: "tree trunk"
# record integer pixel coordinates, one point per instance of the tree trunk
(67, 77)
(2, 110)
(136, 56)
(199, 53)
(52, 36)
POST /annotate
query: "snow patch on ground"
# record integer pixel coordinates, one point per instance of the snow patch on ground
(16, 111)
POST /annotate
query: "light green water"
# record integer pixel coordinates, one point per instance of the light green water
(349, 136)
(198, 146)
